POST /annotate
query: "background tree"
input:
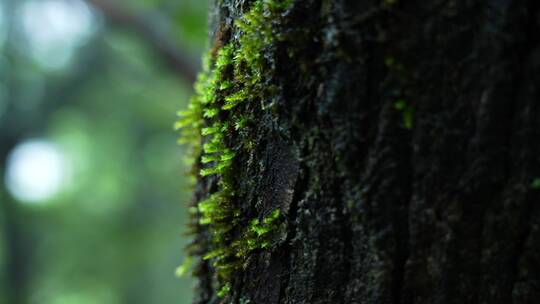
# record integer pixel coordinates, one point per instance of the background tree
(358, 151)
(103, 90)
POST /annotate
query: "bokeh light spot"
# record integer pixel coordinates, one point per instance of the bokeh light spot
(55, 28)
(36, 171)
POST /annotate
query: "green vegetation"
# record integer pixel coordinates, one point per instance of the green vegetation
(259, 235)
(217, 113)
(103, 96)
(399, 79)
(407, 111)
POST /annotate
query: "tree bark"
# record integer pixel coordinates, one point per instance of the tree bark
(401, 145)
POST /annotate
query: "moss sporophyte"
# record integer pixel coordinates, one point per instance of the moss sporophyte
(235, 76)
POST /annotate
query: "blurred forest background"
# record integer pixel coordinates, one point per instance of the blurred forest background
(94, 193)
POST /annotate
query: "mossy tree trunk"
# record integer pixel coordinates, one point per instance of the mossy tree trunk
(399, 140)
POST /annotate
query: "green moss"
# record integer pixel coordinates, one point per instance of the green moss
(212, 124)
(183, 269)
(259, 235)
(407, 111)
(399, 79)
(241, 122)
(225, 289)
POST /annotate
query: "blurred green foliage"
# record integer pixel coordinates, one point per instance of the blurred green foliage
(114, 232)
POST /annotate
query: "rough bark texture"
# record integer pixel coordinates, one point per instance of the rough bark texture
(400, 147)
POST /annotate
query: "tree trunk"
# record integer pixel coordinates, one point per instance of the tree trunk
(368, 151)
(17, 243)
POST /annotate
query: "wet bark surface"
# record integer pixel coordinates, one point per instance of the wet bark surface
(400, 147)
